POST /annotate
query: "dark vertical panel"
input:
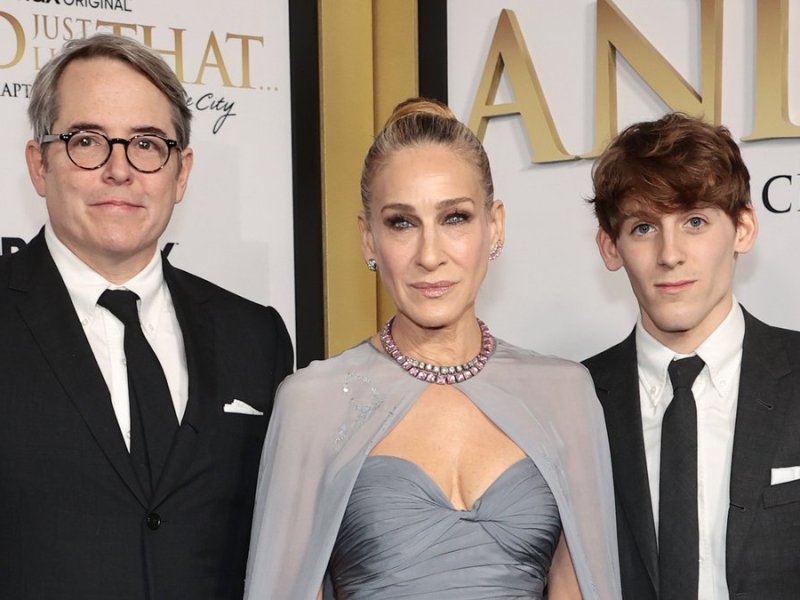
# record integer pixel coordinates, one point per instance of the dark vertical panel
(306, 178)
(432, 19)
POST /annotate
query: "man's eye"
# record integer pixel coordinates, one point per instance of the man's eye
(87, 140)
(696, 222)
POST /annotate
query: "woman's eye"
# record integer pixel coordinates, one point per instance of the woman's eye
(456, 217)
(399, 222)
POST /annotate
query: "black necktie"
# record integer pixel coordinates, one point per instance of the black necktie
(677, 513)
(153, 419)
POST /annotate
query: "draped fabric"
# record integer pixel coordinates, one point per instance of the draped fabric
(401, 537)
(329, 416)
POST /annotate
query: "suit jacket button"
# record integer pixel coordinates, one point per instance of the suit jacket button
(153, 521)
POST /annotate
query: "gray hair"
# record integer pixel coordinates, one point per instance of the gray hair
(43, 107)
(419, 121)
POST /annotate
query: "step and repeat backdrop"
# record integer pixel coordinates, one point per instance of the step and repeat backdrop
(548, 83)
(234, 226)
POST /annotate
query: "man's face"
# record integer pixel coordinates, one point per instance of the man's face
(681, 268)
(110, 217)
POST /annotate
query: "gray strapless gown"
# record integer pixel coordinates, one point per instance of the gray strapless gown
(402, 538)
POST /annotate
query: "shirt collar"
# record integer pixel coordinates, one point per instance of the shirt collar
(721, 351)
(85, 285)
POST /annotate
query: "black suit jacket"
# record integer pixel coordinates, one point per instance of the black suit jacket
(763, 534)
(76, 524)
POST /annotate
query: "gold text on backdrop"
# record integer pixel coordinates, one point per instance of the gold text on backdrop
(508, 56)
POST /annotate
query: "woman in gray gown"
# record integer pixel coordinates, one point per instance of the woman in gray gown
(434, 461)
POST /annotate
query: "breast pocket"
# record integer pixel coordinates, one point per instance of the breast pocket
(782, 494)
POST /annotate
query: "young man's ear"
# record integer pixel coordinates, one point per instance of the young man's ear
(746, 231)
(608, 250)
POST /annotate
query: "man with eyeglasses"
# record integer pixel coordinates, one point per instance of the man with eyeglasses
(134, 397)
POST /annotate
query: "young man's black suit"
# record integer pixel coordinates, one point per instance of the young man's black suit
(763, 534)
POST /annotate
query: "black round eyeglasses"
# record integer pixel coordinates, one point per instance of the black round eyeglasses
(147, 153)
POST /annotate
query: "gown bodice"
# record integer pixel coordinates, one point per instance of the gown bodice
(402, 538)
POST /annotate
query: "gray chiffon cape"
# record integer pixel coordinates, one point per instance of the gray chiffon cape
(328, 416)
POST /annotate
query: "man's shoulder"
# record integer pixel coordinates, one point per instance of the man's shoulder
(6, 260)
(758, 333)
(21, 269)
(6, 267)
(624, 351)
(207, 291)
(238, 322)
(227, 307)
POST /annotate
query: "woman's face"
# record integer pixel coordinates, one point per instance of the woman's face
(430, 233)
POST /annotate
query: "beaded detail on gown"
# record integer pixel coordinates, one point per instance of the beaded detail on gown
(401, 537)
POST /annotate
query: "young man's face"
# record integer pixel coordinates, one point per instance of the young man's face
(681, 267)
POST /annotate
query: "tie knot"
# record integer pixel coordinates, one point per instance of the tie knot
(121, 304)
(684, 371)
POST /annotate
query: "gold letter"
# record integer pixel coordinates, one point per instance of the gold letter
(508, 52)
(36, 59)
(84, 23)
(615, 33)
(246, 39)
(177, 53)
(213, 46)
(19, 34)
(771, 118)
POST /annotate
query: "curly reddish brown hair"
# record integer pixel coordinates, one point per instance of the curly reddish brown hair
(675, 163)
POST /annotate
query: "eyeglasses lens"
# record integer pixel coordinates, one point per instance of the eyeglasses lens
(146, 153)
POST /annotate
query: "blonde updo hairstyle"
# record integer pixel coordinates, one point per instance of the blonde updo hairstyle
(416, 122)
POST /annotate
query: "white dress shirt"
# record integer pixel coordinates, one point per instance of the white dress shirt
(106, 333)
(715, 391)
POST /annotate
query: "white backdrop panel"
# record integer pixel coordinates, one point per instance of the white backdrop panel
(234, 226)
(550, 291)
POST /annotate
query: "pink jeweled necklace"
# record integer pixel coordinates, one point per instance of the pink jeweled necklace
(436, 373)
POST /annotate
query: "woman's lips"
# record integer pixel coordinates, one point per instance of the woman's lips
(434, 289)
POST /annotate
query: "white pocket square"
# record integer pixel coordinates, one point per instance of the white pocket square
(242, 408)
(784, 475)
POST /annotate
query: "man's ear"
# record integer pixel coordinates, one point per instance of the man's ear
(37, 167)
(187, 160)
(746, 231)
(608, 250)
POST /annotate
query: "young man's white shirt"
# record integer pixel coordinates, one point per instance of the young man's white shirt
(716, 392)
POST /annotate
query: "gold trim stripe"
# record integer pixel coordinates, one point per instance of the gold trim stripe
(368, 63)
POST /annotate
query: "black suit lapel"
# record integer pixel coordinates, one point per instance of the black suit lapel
(617, 384)
(198, 339)
(48, 311)
(761, 405)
